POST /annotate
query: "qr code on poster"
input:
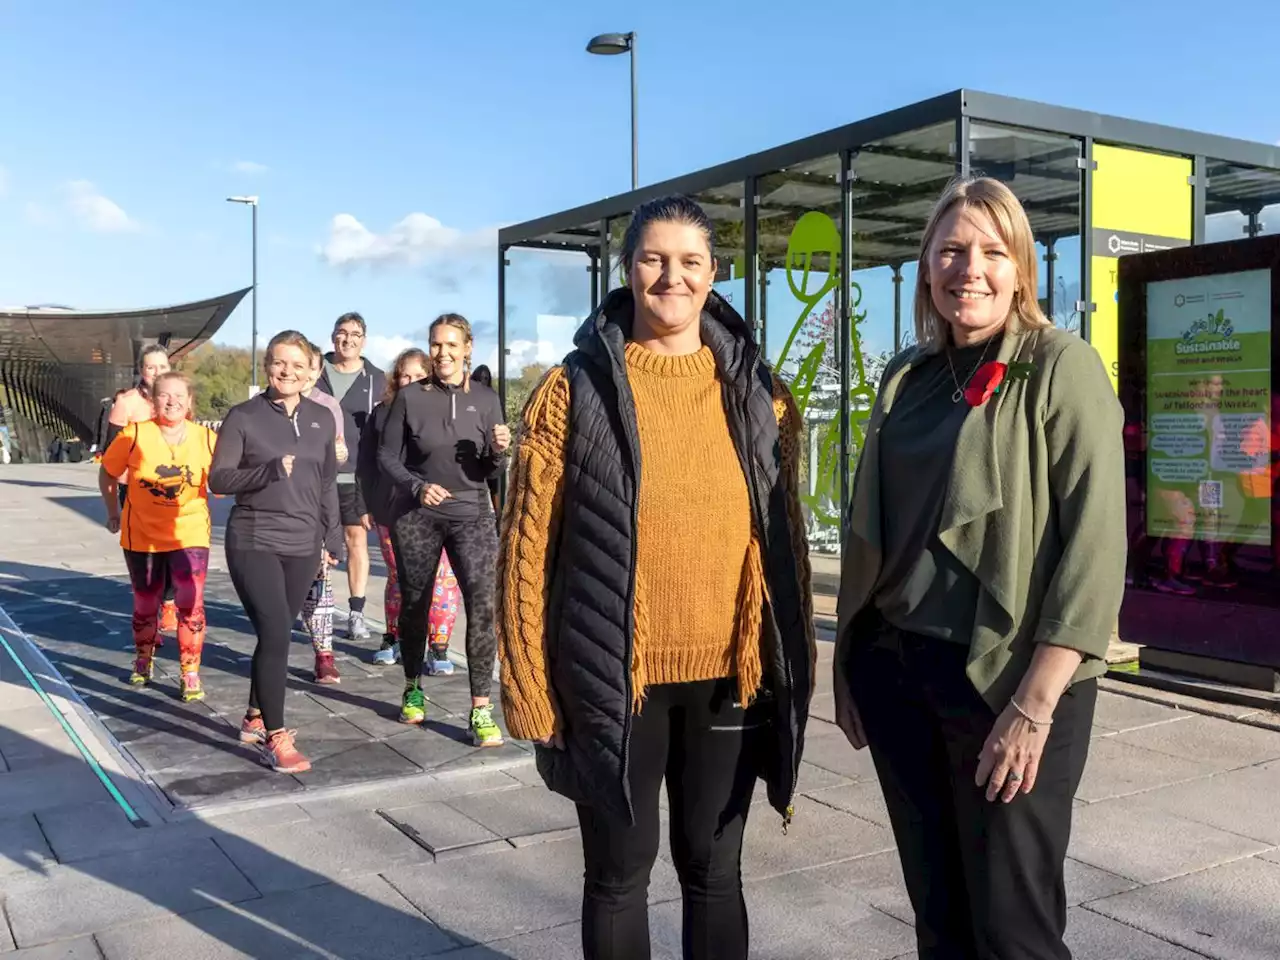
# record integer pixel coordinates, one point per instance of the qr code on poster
(1211, 495)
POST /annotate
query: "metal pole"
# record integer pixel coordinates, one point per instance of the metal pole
(635, 148)
(253, 346)
(897, 307)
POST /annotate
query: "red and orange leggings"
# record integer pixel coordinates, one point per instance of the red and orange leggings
(444, 603)
(187, 568)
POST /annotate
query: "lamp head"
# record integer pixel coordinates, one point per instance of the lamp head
(251, 201)
(611, 44)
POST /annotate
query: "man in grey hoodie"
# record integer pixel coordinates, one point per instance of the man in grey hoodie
(358, 386)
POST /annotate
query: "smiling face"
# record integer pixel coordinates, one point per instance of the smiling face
(153, 364)
(348, 341)
(411, 371)
(671, 275)
(288, 369)
(172, 400)
(971, 274)
(449, 350)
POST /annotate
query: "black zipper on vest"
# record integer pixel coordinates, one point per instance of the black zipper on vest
(753, 478)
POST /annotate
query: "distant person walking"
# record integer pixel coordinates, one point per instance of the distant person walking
(443, 438)
(317, 609)
(382, 498)
(164, 523)
(357, 385)
(482, 374)
(134, 405)
(277, 454)
(656, 619)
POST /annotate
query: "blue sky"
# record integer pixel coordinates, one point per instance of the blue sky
(389, 140)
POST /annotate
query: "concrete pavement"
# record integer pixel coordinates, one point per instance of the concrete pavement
(1176, 850)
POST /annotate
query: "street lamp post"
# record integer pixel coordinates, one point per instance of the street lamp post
(608, 45)
(252, 203)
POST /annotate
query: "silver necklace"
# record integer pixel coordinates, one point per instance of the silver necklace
(959, 394)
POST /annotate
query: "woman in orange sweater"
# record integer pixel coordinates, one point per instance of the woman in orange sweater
(655, 615)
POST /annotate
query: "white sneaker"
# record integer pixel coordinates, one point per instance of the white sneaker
(356, 627)
(439, 668)
(388, 654)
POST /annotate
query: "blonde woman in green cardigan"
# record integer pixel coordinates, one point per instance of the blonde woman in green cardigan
(982, 577)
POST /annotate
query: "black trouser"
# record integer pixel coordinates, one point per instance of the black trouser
(707, 748)
(417, 538)
(985, 879)
(271, 589)
(123, 490)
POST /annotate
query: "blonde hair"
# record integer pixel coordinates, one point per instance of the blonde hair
(288, 338)
(463, 326)
(404, 358)
(184, 379)
(997, 201)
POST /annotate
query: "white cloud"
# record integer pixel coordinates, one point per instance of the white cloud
(249, 168)
(414, 240)
(96, 212)
(381, 351)
(555, 340)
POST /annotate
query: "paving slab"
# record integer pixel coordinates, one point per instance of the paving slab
(1086, 882)
(67, 783)
(406, 792)
(1228, 913)
(875, 880)
(81, 948)
(1116, 769)
(440, 826)
(818, 835)
(1222, 744)
(826, 746)
(23, 847)
(71, 901)
(1240, 801)
(519, 812)
(1092, 936)
(1132, 838)
(556, 943)
(363, 919)
(1118, 713)
(306, 854)
(863, 800)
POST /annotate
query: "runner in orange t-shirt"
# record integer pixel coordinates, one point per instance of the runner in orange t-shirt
(165, 526)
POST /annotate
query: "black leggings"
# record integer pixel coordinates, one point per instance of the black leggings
(417, 538)
(272, 589)
(168, 595)
(707, 748)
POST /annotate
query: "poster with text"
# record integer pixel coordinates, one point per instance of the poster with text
(1209, 408)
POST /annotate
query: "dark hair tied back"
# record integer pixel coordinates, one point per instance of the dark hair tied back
(677, 208)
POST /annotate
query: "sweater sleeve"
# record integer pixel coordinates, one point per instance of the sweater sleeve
(530, 529)
(790, 427)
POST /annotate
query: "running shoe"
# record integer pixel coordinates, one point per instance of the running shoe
(253, 730)
(413, 705)
(281, 755)
(389, 653)
(442, 667)
(484, 732)
(326, 669)
(1173, 585)
(143, 669)
(169, 617)
(357, 629)
(191, 687)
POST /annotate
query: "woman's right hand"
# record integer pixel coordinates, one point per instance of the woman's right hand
(847, 717)
(287, 461)
(113, 524)
(555, 741)
(433, 495)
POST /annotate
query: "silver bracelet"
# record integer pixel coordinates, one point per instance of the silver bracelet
(1028, 717)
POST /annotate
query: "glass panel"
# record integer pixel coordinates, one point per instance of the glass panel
(548, 295)
(617, 231)
(1241, 202)
(1043, 170)
(798, 235)
(724, 206)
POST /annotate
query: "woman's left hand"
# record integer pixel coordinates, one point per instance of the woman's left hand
(1010, 758)
(501, 437)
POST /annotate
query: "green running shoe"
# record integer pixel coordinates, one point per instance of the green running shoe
(413, 706)
(484, 732)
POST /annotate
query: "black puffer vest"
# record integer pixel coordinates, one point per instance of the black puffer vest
(592, 587)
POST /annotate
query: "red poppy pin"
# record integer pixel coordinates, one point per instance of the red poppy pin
(990, 378)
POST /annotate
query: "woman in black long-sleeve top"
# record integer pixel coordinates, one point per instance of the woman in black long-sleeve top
(276, 454)
(443, 439)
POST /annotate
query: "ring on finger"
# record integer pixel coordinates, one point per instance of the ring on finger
(1015, 778)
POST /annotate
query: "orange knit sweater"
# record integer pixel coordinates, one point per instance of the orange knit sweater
(699, 581)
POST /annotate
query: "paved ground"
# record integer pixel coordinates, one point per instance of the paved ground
(1176, 851)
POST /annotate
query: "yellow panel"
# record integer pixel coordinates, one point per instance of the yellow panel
(1146, 198)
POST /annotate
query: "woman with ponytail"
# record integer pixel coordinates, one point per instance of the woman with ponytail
(443, 439)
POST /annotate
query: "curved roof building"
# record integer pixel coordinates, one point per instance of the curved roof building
(58, 365)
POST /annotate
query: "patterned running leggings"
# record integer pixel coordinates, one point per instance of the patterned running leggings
(317, 611)
(149, 572)
(444, 600)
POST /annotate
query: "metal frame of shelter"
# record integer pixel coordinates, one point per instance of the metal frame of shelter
(867, 212)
